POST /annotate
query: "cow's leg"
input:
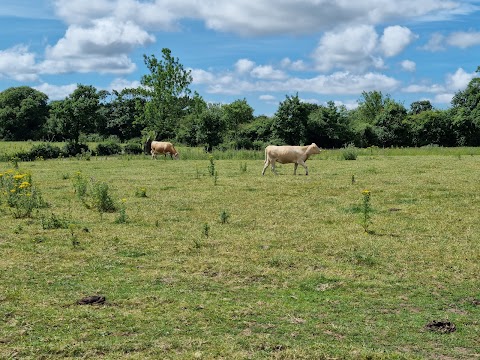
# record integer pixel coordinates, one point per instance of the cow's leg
(304, 166)
(265, 166)
(273, 167)
(153, 154)
(295, 168)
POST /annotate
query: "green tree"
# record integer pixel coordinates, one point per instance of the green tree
(419, 106)
(329, 126)
(431, 127)
(23, 113)
(78, 114)
(391, 124)
(466, 114)
(122, 112)
(210, 127)
(167, 93)
(290, 121)
(371, 105)
(189, 124)
(235, 115)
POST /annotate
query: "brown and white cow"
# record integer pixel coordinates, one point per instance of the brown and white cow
(161, 147)
(287, 154)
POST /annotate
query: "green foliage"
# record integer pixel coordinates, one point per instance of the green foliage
(19, 194)
(79, 113)
(224, 216)
(166, 88)
(23, 113)
(53, 221)
(73, 149)
(45, 151)
(122, 213)
(141, 192)
(133, 149)
(350, 152)
(109, 148)
(290, 121)
(102, 200)
(211, 166)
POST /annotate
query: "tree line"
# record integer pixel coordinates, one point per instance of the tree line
(164, 108)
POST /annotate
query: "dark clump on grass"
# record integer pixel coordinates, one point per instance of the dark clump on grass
(92, 300)
(441, 326)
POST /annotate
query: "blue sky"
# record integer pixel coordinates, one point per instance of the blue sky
(259, 50)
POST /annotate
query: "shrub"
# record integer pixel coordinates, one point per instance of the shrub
(133, 149)
(72, 149)
(350, 152)
(109, 148)
(45, 151)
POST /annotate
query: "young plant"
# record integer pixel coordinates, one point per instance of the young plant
(211, 166)
(122, 216)
(224, 216)
(366, 210)
(17, 190)
(102, 200)
(141, 192)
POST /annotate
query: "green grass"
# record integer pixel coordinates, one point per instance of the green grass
(291, 274)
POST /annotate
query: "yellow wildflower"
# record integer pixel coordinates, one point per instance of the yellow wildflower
(366, 192)
(24, 185)
(19, 176)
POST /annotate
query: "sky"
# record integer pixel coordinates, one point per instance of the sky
(260, 51)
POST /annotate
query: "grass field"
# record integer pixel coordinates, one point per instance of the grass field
(241, 266)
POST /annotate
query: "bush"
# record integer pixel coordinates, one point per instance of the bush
(45, 151)
(132, 148)
(110, 148)
(72, 149)
(350, 152)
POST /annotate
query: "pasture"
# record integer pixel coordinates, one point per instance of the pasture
(239, 266)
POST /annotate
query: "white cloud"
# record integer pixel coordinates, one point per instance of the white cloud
(298, 65)
(445, 98)
(395, 39)
(120, 84)
(269, 99)
(459, 80)
(350, 49)
(408, 65)
(464, 40)
(105, 37)
(18, 63)
(267, 72)
(259, 17)
(56, 92)
(243, 66)
(435, 43)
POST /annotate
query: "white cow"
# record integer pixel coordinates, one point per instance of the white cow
(289, 154)
(161, 147)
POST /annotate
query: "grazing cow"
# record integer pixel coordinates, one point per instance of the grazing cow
(161, 147)
(289, 154)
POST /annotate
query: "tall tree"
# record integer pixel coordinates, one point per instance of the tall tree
(167, 92)
(466, 114)
(23, 113)
(235, 115)
(78, 114)
(210, 127)
(125, 107)
(290, 121)
(329, 126)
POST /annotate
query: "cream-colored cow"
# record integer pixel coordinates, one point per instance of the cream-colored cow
(287, 154)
